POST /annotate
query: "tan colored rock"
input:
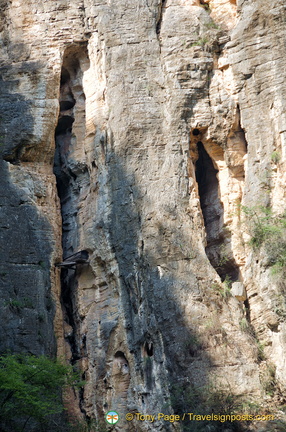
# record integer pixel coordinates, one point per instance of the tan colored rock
(136, 131)
(238, 291)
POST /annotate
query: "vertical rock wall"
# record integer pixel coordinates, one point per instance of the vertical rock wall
(135, 131)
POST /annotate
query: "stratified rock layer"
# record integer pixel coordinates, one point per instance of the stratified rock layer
(135, 131)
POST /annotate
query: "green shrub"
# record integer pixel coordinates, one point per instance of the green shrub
(269, 231)
(275, 157)
(16, 304)
(223, 289)
(201, 42)
(212, 25)
(244, 325)
(30, 389)
(269, 381)
(260, 351)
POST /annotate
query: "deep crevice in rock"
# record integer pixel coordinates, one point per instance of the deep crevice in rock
(148, 349)
(64, 125)
(160, 16)
(69, 172)
(240, 129)
(247, 310)
(66, 105)
(212, 209)
(65, 179)
(205, 5)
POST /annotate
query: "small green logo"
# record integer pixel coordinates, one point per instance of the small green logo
(112, 417)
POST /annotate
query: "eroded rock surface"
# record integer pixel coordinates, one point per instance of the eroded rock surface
(136, 131)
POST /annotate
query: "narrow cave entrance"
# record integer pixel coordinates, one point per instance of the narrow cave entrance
(160, 17)
(212, 210)
(63, 139)
(148, 349)
(69, 136)
(65, 178)
(206, 176)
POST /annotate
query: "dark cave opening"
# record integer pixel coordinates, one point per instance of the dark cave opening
(212, 210)
(160, 16)
(68, 283)
(64, 175)
(66, 105)
(196, 132)
(65, 76)
(71, 176)
(64, 125)
(206, 176)
(120, 355)
(148, 349)
(65, 179)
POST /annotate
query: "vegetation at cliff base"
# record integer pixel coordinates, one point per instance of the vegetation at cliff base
(30, 390)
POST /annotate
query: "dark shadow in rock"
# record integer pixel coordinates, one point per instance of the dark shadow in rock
(169, 355)
(26, 306)
(213, 213)
(25, 254)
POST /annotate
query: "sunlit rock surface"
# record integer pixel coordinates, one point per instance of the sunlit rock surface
(136, 131)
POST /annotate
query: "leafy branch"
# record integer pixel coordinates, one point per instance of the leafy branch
(269, 231)
(31, 387)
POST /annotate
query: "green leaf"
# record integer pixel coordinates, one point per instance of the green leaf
(31, 386)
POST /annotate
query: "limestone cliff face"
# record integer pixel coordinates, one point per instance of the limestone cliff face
(135, 131)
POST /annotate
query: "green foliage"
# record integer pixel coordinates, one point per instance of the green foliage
(30, 388)
(223, 289)
(244, 325)
(206, 6)
(275, 157)
(269, 381)
(260, 351)
(212, 25)
(261, 228)
(223, 255)
(41, 317)
(280, 306)
(269, 230)
(201, 42)
(16, 304)
(227, 287)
